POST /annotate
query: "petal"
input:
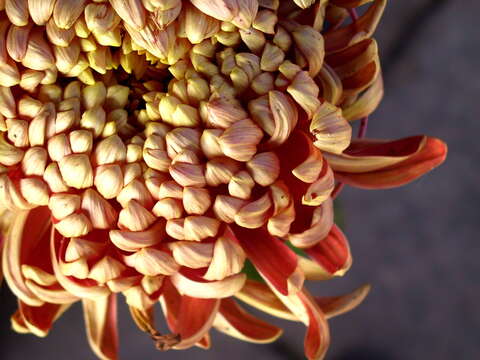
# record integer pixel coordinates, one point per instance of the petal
(274, 260)
(366, 103)
(233, 320)
(136, 240)
(66, 12)
(285, 116)
(317, 338)
(18, 244)
(332, 132)
(323, 216)
(332, 87)
(223, 10)
(258, 295)
(357, 66)
(357, 31)
(101, 324)
(131, 11)
(83, 289)
(18, 324)
(337, 305)
(311, 44)
(55, 295)
(195, 319)
(332, 252)
(189, 317)
(39, 319)
(365, 156)
(312, 270)
(208, 289)
(228, 258)
(383, 165)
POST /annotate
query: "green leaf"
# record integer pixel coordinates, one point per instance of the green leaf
(251, 272)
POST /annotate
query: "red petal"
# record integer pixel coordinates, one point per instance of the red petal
(315, 343)
(195, 320)
(20, 245)
(39, 319)
(339, 39)
(171, 304)
(430, 155)
(275, 261)
(248, 326)
(304, 307)
(333, 252)
(189, 317)
(101, 324)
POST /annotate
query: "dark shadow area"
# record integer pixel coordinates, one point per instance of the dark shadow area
(364, 352)
(404, 38)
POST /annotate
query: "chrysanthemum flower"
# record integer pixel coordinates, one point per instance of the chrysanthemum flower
(159, 148)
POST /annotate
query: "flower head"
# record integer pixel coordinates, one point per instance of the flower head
(159, 148)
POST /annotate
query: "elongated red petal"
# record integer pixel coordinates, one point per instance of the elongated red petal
(430, 154)
(101, 324)
(39, 319)
(235, 321)
(274, 260)
(333, 252)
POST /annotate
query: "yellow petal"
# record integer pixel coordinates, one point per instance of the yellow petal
(331, 130)
(206, 290)
(228, 259)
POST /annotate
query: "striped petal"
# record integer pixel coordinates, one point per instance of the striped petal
(199, 288)
(54, 295)
(137, 240)
(233, 320)
(366, 103)
(373, 164)
(357, 31)
(101, 324)
(258, 295)
(18, 245)
(357, 66)
(304, 307)
(88, 289)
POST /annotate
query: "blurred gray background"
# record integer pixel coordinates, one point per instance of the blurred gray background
(417, 245)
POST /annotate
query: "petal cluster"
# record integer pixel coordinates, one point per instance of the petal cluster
(160, 148)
